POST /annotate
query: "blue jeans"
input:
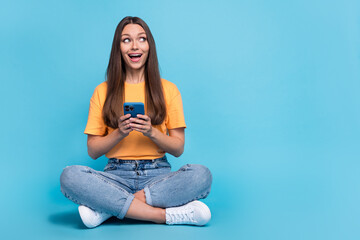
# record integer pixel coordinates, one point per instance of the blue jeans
(111, 191)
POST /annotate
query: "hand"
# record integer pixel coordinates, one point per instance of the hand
(141, 124)
(124, 125)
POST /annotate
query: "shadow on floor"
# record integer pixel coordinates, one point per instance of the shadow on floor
(72, 219)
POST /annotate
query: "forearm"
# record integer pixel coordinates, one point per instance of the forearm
(170, 144)
(99, 145)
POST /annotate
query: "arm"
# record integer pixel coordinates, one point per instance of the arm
(173, 144)
(99, 145)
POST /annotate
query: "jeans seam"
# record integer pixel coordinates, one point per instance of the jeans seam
(110, 183)
(148, 195)
(163, 179)
(69, 197)
(202, 196)
(169, 176)
(126, 207)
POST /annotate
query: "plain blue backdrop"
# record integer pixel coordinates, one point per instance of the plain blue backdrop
(271, 99)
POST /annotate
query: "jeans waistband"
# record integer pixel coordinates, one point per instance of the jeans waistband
(137, 161)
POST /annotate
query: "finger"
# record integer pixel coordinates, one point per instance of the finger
(144, 117)
(128, 130)
(122, 118)
(125, 129)
(137, 126)
(125, 125)
(137, 120)
(141, 121)
(139, 130)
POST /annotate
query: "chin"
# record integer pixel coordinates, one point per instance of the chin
(137, 67)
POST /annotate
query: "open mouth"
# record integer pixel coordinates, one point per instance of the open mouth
(135, 57)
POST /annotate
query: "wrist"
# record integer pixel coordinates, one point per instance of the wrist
(152, 134)
(119, 135)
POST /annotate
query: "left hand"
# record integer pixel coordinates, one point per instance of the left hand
(141, 124)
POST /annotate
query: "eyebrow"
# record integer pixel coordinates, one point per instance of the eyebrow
(129, 35)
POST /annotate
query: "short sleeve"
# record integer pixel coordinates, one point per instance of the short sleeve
(175, 110)
(95, 124)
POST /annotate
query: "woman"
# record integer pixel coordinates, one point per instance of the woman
(137, 182)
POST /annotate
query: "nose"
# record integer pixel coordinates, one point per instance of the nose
(134, 45)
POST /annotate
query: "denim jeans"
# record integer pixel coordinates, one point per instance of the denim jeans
(111, 191)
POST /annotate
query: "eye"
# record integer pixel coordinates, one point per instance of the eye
(142, 39)
(126, 40)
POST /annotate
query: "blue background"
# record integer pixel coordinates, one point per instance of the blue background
(271, 99)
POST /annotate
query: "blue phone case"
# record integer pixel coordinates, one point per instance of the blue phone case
(134, 108)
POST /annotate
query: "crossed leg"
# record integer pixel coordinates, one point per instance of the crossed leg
(196, 175)
(140, 210)
(166, 191)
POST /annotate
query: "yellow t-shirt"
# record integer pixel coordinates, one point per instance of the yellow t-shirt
(136, 145)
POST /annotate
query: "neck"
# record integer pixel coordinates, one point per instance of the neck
(135, 75)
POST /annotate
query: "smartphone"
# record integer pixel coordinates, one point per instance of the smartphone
(134, 108)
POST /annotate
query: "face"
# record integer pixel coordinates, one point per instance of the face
(134, 46)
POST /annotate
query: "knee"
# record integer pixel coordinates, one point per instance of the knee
(69, 175)
(202, 176)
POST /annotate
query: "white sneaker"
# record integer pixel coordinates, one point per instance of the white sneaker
(193, 213)
(92, 218)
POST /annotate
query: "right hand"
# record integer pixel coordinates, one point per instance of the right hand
(123, 124)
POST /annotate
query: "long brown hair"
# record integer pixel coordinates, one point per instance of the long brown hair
(116, 75)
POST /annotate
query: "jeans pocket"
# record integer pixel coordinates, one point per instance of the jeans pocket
(110, 167)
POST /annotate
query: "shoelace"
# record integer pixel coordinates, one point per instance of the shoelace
(182, 216)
